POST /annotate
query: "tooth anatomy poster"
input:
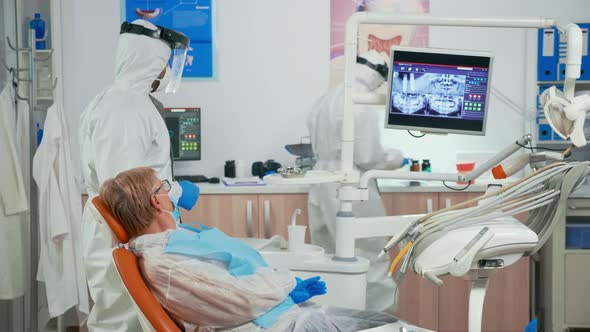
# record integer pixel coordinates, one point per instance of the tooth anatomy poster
(191, 17)
(373, 36)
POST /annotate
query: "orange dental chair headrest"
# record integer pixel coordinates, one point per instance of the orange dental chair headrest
(110, 219)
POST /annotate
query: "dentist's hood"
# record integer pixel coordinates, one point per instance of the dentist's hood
(325, 124)
(140, 59)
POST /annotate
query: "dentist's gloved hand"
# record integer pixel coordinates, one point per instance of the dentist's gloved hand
(306, 289)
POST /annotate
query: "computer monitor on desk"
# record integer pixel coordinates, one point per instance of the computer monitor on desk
(184, 127)
(438, 91)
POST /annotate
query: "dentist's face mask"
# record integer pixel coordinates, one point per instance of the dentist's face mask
(174, 194)
(162, 81)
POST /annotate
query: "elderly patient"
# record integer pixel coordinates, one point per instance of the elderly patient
(209, 281)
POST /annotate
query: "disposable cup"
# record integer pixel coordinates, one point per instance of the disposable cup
(297, 238)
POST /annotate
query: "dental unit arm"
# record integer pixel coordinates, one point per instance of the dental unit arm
(516, 163)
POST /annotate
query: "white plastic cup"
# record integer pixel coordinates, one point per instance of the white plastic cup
(297, 238)
(241, 169)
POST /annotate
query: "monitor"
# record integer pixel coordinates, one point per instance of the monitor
(184, 128)
(438, 91)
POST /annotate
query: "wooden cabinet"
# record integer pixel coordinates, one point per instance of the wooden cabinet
(397, 204)
(445, 308)
(454, 293)
(241, 215)
(506, 306)
(418, 298)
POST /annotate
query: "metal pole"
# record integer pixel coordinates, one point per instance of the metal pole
(26, 324)
(34, 204)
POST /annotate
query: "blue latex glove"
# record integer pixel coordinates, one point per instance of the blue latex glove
(190, 195)
(532, 327)
(306, 289)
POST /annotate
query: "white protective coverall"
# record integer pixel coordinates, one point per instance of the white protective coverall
(13, 201)
(60, 261)
(202, 295)
(325, 126)
(120, 129)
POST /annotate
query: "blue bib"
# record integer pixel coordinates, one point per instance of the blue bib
(211, 243)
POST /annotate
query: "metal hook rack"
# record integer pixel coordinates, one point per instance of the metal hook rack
(20, 98)
(14, 78)
(16, 49)
(6, 66)
(31, 78)
(53, 86)
(46, 58)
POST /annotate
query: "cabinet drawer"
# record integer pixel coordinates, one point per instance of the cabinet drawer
(577, 288)
(235, 215)
(397, 204)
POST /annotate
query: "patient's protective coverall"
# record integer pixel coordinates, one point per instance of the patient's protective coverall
(201, 295)
(325, 126)
(120, 129)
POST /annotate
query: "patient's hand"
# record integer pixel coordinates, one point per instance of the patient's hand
(307, 289)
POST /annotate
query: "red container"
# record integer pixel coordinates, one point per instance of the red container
(465, 168)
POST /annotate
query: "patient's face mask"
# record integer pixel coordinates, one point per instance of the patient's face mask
(174, 194)
(175, 213)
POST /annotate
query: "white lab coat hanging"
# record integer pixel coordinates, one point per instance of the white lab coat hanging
(60, 261)
(13, 203)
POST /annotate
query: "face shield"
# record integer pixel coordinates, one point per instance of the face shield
(177, 61)
(179, 44)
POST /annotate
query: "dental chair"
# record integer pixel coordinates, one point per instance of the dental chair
(475, 242)
(151, 314)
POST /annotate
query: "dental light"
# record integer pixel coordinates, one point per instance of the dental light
(565, 113)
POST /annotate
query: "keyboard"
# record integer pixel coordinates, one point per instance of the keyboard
(191, 178)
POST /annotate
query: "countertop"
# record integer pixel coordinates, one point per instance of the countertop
(385, 186)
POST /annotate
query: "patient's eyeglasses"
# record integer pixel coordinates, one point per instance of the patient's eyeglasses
(165, 184)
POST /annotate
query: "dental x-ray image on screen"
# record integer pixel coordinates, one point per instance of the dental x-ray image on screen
(443, 91)
(428, 94)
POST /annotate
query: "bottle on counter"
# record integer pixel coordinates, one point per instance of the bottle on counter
(230, 169)
(426, 165)
(39, 134)
(415, 167)
(39, 26)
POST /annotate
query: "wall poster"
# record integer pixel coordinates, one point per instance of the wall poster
(373, 36)
(191, 17)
